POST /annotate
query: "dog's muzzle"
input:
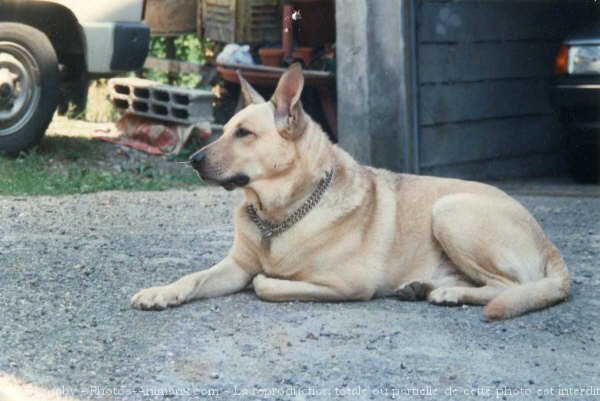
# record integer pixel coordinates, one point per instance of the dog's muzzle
(198, 162)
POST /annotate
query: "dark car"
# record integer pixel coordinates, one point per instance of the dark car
(576, 97)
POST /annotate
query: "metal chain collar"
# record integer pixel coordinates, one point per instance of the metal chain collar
(268, 230)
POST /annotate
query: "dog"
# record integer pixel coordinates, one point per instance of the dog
(315, 225)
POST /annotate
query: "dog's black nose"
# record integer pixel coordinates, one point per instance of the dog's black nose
(197, 158)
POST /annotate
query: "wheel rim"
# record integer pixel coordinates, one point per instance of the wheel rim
(19, 87)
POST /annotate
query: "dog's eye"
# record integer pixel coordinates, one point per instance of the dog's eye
(240, 133)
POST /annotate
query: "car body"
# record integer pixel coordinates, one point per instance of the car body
(576, 97)
(48, 51)
(109, 34)
(113, 35)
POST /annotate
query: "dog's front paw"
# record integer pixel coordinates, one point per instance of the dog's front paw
(260, 283)
(156, 298)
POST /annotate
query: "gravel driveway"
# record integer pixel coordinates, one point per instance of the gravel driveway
(68, 266)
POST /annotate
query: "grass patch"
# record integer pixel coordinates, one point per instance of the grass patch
(25, 176)
(66, 165)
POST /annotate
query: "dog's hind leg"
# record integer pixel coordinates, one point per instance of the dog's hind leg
(497, 244)
(452, 296)
(452, 287)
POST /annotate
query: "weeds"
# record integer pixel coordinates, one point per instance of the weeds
(187, 48)
(64, 165)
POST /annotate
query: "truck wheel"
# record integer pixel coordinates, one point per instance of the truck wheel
(29, 85)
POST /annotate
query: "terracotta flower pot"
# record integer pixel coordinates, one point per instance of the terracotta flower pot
(271, 56)
(303, 53)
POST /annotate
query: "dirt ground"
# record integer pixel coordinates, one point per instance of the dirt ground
(69, 265)
(103, 154)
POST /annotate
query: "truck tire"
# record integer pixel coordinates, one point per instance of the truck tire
(29, 86)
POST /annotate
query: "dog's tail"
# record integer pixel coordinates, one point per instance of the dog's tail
(530, 296)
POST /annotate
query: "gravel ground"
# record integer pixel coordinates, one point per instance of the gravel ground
(70, 264)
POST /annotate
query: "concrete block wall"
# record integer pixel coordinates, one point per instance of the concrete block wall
(163, 102)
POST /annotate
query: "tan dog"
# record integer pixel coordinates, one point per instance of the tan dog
(359, 232)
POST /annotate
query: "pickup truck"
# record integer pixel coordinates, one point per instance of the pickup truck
(48, 51)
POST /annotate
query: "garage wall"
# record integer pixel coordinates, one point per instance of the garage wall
(484, 69)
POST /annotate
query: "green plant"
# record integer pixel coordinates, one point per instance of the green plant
(73, 113)
(187, 48)
(63, 165)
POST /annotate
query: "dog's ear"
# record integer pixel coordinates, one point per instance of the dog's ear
(288, 109)
(249, 94)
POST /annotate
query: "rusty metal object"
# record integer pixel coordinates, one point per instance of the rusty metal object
(261, 75)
